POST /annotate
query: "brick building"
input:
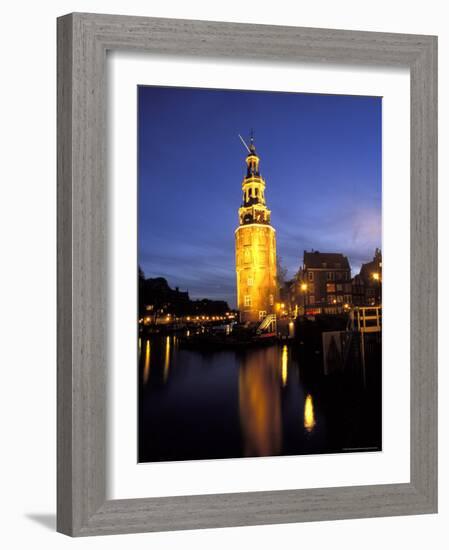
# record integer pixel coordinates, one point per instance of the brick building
(323, 283)
(370, 279)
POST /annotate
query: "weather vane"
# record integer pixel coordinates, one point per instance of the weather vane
(251, 140)
(244, 143)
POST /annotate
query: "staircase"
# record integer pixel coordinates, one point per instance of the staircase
(268, 323)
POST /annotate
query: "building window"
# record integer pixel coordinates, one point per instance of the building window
(311, 299)
(339, 299)
(262, 315)
(310, 275)
(339, 288)
(250, 281)
(271, 299)
(330, 287)
(331, 298)
(247, 300)
(330, 276)
(347, 298)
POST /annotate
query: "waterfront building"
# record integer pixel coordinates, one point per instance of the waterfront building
(159, 302)
(323, 283)
(371, 277)
(358, 291)
(255, 247)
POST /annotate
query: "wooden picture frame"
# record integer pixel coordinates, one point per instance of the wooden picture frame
(83, 40)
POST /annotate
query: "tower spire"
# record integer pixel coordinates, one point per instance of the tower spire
(255, 245)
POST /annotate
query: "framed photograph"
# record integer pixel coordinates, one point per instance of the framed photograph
(247, 274)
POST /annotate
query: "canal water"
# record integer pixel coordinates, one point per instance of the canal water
(260, 402)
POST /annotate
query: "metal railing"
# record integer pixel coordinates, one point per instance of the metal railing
(268, 322)
(367, 319)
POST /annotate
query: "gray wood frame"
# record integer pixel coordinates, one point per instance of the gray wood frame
(83, 40)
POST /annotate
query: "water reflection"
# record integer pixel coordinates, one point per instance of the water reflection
(260, 404)
(284, 365)
(146, 367)
(167, 358)
(309, 414)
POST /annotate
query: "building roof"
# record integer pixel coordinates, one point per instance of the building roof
(323, 260)
(375, 265)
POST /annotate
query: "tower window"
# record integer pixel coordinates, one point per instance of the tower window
(247, 300)
(250, 281)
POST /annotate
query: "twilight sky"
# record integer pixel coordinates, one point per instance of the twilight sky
(320, 156)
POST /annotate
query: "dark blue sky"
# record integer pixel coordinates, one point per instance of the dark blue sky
(320, 157)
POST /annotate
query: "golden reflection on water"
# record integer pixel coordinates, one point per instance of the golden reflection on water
(284, 365)
(260, 404)
(309, 414)
(140, 347)
(146, 367)
(167, 358)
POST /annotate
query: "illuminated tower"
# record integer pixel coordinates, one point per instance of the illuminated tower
(255, 247)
